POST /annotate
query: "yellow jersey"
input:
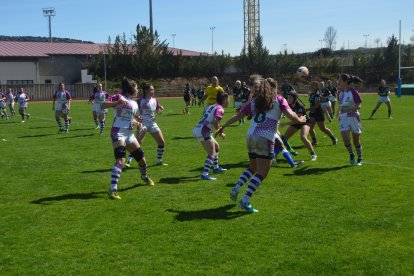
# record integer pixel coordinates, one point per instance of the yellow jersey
(211, 92)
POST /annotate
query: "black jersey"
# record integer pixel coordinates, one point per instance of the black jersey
(332, 90)
(237, 93)
(313, 98)
(325, 95)
(200, 93)
(300, 110)
(245, 94)
(286, 88)
(383, 91)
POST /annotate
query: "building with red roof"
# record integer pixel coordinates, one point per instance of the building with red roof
(50, 62)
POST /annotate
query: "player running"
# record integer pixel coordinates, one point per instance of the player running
(122, 134)
(203, 133)
(10, 98)
(97, 97)
(383, 93)
(148, 105)
(63, 98)
(299, 108)
(3, 111)
(348, 114)
(22, 99)
(316, 115)
(266, 109)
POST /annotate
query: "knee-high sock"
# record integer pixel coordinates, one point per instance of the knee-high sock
(253, 186)
(115, 175)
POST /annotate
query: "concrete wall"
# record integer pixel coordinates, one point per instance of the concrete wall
(18, 70)
(61, 68)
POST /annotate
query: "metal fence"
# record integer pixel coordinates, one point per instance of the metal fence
(44, 92)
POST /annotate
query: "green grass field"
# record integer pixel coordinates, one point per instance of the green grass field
(326, 217)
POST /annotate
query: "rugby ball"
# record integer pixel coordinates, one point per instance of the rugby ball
(302, 71)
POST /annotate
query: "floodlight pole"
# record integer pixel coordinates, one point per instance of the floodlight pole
(104, 60)
(173, 37)
(212, 39)
(399, 63)
(49, 12)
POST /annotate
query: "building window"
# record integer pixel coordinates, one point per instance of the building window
(18, 82)
(48, 81)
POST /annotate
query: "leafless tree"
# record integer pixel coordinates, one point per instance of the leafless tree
(330, 37)
(412, 39)
(377, 41)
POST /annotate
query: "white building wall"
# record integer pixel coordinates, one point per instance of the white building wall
(18, 70)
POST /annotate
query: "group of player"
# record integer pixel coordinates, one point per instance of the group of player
(265, 109)
(262, 105)
(9, 98)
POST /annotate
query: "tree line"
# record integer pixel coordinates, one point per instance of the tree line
(145, 56)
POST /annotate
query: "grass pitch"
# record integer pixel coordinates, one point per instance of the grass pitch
(326, 217)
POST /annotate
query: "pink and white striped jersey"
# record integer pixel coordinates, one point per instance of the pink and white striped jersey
(348, 99)
(99, 97)
(62, 98)
(147, 109)
(124, 114)
(10, 97)
(264, 124)
(2, 97)
(21, 99)
(213, 112)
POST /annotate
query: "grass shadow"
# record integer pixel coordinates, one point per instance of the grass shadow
(182, 138)
(98, 171)
(77, 136)
(307, 171)
(37, 135)
(78, 196)
(221, 213)
(178, 180)
(42, 127)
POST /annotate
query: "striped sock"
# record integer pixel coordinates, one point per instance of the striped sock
(207, 165)
(246, 175)
(349, 148)
(253, 186)
(59, 122)
(115, 175)
(67, 124)
(96, 122)
(160, 152)
(102, 126)
(359, 152)
(215, 161)
(143, 171)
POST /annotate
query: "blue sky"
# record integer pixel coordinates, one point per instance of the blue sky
(300, 24)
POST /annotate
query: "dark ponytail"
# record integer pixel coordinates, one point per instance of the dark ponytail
(351, 79)
(127, 86)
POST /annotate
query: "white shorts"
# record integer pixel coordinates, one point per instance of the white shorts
(260, 147)
(97, 108)
(384, 99)
(125, 134)
(202, 134)
(2, 104)
(151, 127)
(326, 105)
(350, 124)
(238, 104)
(332, 98)
(23, 106)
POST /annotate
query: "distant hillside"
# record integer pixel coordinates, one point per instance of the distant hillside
(40, 39)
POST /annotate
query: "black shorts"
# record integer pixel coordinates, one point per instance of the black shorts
(187, 98)
(318, 116)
